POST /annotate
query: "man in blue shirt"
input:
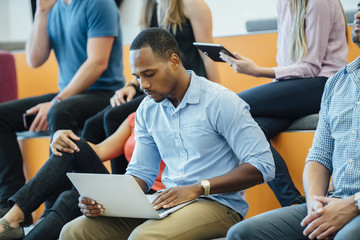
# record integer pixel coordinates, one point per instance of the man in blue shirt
(86, 38)
(335, 152)
(212, 148)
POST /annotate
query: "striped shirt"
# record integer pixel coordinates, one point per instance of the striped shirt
(337, 138)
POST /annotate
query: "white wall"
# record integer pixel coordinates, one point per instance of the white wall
(229, 16)
(20, 19)
(4, 20)
(15, 20)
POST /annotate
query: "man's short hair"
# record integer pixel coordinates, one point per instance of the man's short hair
(162, 43)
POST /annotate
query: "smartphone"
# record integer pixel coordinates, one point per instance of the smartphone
(28, 119)
(213, 50)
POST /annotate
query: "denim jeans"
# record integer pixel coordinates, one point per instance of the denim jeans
(68, 114)
(106, 122)
(274, 106)
(50, 178)
(284, 223)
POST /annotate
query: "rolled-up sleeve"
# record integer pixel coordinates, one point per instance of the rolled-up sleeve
(323, 144)
(145, 161)
(243, 134)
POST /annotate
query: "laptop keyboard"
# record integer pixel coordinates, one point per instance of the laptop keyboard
(161, 210)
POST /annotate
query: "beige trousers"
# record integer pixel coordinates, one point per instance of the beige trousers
(203, 219)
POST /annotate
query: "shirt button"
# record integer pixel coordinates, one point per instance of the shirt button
(183, 155)
(353, 131)
(176, 135)
(175, 114)
(358, 102)
(350, 160)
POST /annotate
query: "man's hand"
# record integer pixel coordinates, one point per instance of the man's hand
(45, 5)
(177, 195)
(119, 98)
(325, 222)
(90, 208)
(315, 209)
(40, 122)
(62, 141)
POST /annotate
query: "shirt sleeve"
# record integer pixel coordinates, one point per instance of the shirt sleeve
(318, 25)
(242, 133)
(145, 161)
(322, 148)
(103, 18)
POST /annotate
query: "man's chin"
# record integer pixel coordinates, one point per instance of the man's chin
(157, 100)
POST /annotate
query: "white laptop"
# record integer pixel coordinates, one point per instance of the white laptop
(120, 195)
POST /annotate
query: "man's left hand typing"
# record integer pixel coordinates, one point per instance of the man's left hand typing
(177, 195)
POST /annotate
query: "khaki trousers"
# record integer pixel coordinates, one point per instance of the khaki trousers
(203, 219)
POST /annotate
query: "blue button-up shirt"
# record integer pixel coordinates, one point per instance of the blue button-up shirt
(208, 134)
(337, 138)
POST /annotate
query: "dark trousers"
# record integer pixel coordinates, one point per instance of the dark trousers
(274, 106)
(47, 182)
(106, 122)
(68, 114)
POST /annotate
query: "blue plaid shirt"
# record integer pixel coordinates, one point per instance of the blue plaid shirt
(337, 138)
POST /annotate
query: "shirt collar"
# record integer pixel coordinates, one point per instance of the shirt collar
(192, 95)
(354, 65)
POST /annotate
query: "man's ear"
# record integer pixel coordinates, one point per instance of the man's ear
(174, 60)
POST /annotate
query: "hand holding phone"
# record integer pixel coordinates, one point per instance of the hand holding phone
(28, 119)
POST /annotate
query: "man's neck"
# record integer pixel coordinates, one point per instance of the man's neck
(181, 88)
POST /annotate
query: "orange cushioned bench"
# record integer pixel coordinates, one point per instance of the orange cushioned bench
(292, 145)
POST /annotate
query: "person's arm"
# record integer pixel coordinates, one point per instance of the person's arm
(317, 30)
(246, 66)
(316, 179)
(325, 215)
(38, 45)
(319, 25)
(199, 14)
(128, 92)
(146, 159)
(113, 146)
(98, 55)
(98, 51)
(242, 177)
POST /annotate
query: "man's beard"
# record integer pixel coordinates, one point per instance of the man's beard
(355, 36)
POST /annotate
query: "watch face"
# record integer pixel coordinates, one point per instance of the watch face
(205, 183)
